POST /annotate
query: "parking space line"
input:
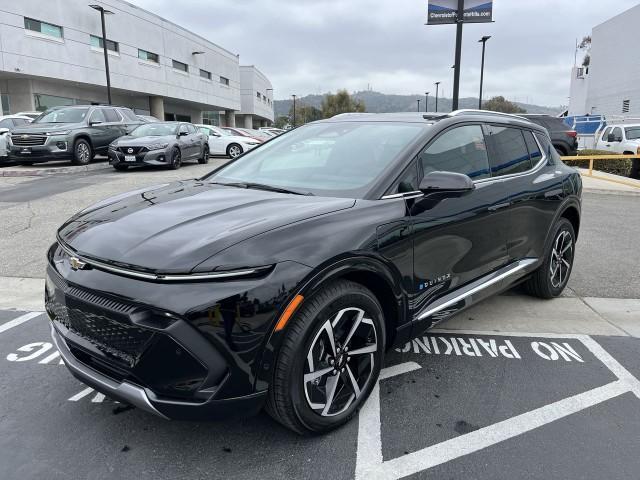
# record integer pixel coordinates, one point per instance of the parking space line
(18, 321)
(81, 394)
(370, 463)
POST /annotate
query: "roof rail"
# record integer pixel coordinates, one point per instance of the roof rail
(471, 111)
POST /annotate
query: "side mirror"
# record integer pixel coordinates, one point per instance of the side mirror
(3, 131)
(446, 182)
(611, 138)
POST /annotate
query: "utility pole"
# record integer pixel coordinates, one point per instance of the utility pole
(437, 84)
(483, 40)
(426, 101)
(458, 55)
(294, 111)
(104, 47)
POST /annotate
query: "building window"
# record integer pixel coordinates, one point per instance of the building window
(4, 102)
(224, 81)
(151, 57)
(625, 106)
(96, 42)
(183, 67)
(42, 27)
(211, 118)
(205, 74)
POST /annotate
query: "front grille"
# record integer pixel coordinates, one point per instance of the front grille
(28, 140)
(134, 150)
(101, 321)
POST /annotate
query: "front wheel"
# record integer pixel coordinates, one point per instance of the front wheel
(551, 278)
(176, 159)
(205, 155)
(82, 152)
(329, 360)
(234, 150)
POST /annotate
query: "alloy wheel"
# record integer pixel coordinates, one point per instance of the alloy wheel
(561, 258)
(340, 362)
(177, 159)
(234, 151)
(82, 152)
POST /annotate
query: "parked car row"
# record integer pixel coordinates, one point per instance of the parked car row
(79, 132)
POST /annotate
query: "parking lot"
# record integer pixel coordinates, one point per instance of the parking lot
(513, 388)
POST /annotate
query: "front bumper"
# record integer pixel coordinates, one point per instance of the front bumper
(140, 156)
(182, 351)
(54, 148)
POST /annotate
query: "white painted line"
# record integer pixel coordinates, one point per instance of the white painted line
(18, 321)
(98, 398)
(398, 369)
(49, 358)
(485, 437)
(488, 333)
(81, 394)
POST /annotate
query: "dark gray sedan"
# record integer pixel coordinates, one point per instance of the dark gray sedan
(165, 144)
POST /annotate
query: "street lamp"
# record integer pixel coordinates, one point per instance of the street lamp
(437, 84)
(418, 104)
(104, 12)
(483, 40)
(294, 111)
(426, 101)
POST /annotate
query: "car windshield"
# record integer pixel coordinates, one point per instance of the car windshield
(633, 133)
(155, 130)
(63, 115)
(340, 159)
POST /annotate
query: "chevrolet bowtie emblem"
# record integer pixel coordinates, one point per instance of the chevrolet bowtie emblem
(76, 263)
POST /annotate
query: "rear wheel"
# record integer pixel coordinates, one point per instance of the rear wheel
(234, 150)
(176, 159)
(205, 155)
(82, 152)
(329, 360)
(551, 278)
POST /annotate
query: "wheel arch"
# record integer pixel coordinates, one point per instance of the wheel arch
(572, 214)
(83, 136)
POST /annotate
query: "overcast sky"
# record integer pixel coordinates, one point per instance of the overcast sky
(315, 46)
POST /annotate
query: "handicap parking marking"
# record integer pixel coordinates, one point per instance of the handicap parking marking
(14, 322)
(556, 349)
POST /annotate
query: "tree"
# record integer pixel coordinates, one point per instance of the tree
(281, 122)
(500, 104)
(339, 103)
(304, 114)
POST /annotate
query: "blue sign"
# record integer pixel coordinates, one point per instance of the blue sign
(442, 12)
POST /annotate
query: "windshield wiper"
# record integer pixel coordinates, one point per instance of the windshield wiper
(262, 186)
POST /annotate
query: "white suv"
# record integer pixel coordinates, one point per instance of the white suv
(621, 138)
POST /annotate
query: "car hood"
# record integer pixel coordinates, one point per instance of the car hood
(173, 228)
(31, 128)
(128, 140)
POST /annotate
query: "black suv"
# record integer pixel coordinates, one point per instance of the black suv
(282, 277)
(76, 133)
(563, 138)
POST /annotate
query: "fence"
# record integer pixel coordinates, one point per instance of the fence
(593, 158)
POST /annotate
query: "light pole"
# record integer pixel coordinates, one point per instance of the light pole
(437, 84)
(418, 104)
(270, 99)
(426, 101)
(483, 40)
(458, 55)
(294, 111)
(104, 12)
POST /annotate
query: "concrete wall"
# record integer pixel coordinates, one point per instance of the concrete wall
(578, 91)
(24, 55)
(253, 81)
(614, 73)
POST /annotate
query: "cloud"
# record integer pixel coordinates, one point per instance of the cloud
(315, 46)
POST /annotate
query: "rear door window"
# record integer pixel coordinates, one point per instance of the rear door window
(534, 150)
(97, 116)
(129, 115)
(509, 153)
(111, 115)
(459, 150)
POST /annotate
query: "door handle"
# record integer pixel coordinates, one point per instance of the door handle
(493, 208)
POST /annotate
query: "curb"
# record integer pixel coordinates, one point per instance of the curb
(601, 191)
(11, 172)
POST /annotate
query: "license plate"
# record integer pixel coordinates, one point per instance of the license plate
(129, 158)
(26, 151)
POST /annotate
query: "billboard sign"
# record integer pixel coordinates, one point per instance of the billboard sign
(441, 12)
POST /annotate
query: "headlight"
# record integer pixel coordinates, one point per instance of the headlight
(112, 146)
(157, 146)
(64, 132)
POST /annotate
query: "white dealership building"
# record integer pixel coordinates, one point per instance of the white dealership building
(610, 85)
(51, 54)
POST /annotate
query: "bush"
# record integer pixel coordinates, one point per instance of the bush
(620, 167)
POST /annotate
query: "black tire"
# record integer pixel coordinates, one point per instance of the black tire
(561, 150)
(176, 159)
(547, 281)
(82, 152)
(290, 396)
(205, 155)
(234, 150)
(120, 167)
